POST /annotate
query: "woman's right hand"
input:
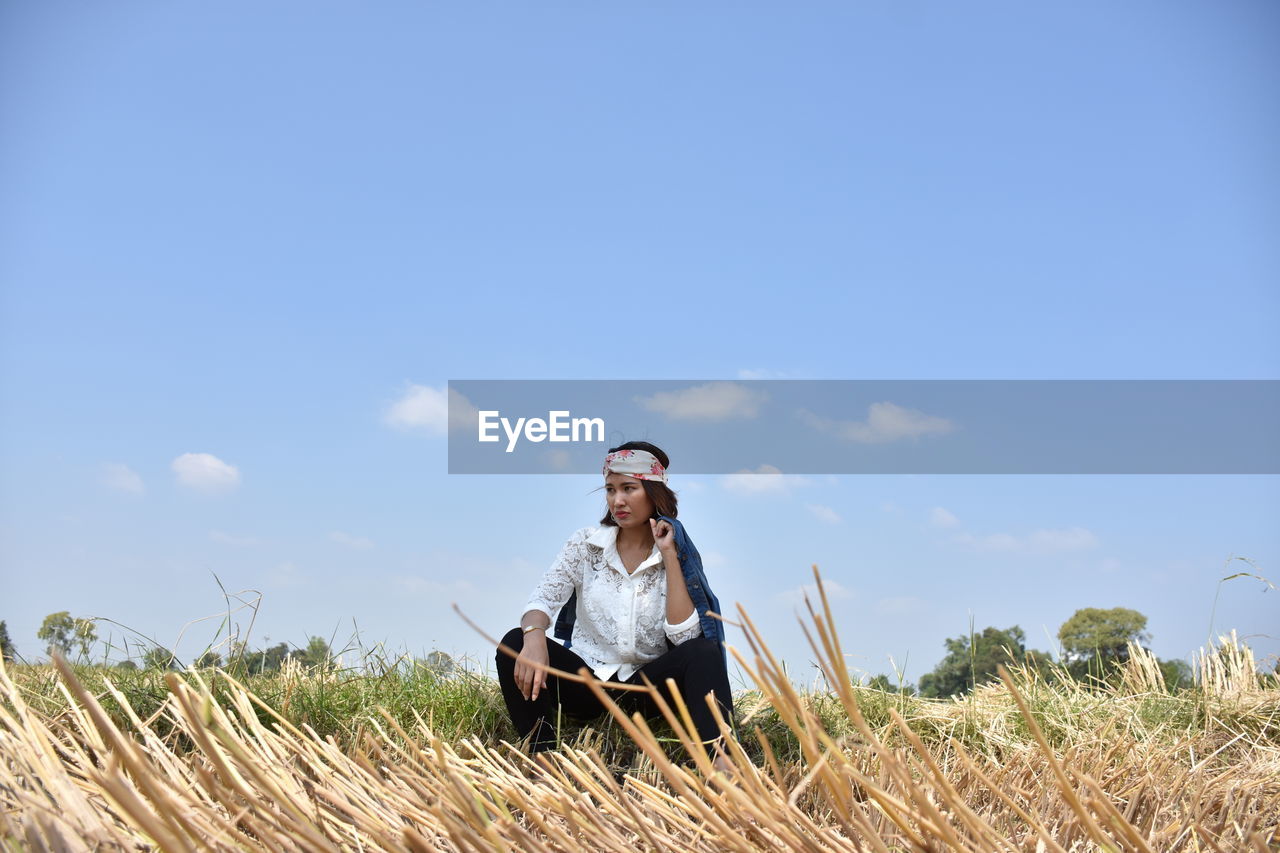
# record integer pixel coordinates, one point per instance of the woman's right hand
(529, 678)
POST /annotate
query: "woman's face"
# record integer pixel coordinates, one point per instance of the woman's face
(627, 500)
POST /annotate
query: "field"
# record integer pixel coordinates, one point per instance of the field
(408, 759)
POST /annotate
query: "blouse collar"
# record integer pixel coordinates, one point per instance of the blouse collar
(606, 538)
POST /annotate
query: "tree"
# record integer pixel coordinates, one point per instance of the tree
(60, 632)
(6, 645)
(1176, 672)
(273, 658)
(264, 661)
(316, 653)
(84, 636)
(972, 660)
(209, 660)
(57, 631)
(158, 657)
(439, 663)
(884, 683)
(1095, 642)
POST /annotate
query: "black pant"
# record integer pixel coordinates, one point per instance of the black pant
(696, 665)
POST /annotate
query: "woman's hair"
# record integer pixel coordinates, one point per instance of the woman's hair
(660, 494)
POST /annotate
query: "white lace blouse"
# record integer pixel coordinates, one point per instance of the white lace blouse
(622, 618)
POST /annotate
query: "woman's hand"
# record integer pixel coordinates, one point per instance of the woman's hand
(529, 678)
(664, 535)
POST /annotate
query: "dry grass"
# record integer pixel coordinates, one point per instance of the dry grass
(1024, 765)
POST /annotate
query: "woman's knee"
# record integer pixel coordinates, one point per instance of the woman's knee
(705, 645)
(704, 663)
(701, 649)
(514, 640)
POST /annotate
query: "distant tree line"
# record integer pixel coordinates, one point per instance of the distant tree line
(1095, 645)
(74, 638)
(6, 645)
(241, 657)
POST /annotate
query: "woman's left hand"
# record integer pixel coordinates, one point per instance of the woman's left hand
(664, 535)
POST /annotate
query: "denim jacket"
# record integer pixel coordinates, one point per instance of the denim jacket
(704, 600)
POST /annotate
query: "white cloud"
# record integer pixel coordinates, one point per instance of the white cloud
(426, 587)
(228, 539)
(462, 415)
(420, 407)
(940, 517)
(714, 559)
(205, 472)
(885, 422)
(357, 542)
(1041, 541)
(1036, 542)
(824, 513)
(713, 401)
(762, 373)
(284, 576)
(904, 605)
(765, 480)
(835, 592)
(467, 573)
(432, 410)
(989, 542)
(1111, 565)
(121, 478)
(558, 460)
(1069, 539)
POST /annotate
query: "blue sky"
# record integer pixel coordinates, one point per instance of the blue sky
(251, 231)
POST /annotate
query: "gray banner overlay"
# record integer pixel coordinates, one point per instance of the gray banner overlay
(870, 426)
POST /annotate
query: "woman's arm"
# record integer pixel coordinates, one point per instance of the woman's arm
(679, 604)
(549, 596)
(535, 618)
(529, 678)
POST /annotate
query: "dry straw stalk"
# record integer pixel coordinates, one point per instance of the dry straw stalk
(235, 774)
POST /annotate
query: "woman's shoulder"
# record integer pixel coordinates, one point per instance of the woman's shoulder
(579, 547)
(591, 535)
(583, 536)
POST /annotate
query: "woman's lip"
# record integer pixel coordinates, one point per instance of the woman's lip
(621, 514)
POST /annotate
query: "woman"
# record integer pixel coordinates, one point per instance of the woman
(633, 604)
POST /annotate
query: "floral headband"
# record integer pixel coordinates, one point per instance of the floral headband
(640, 464)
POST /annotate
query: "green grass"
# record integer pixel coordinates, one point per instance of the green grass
(342, 705)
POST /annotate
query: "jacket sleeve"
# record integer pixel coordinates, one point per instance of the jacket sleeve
(564, 576)
(704, 601)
